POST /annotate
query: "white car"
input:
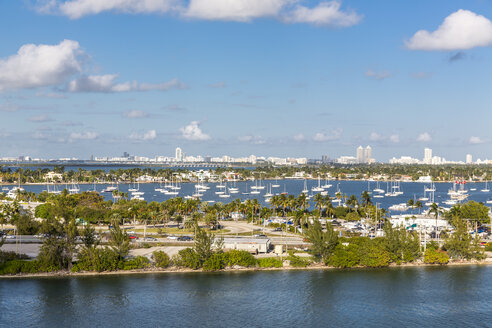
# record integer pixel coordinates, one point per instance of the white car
(172, 237)
(10, 237)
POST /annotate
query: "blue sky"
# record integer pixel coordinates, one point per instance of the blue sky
(239, 77)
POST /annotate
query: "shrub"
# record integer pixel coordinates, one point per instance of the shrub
(98, 259)
(434, 256)
(9, 256)
(241, 258)
(375, 257)
(270, 262)
(139, 262)
(344, 256)
(187, 258)
(215, 262)
(161, 259)
(297, 261)
(146, 245)
(19, 266)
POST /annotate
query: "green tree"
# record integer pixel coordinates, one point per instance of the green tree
(460, 244)
(203, 245)
(322, 242)
(119, 241)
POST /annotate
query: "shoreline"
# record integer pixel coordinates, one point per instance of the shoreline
(63, 274)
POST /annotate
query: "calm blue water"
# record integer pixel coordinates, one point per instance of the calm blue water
(410, 190)
(401, 297)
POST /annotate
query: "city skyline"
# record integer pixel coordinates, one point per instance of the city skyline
(362, 156)
(300, 79)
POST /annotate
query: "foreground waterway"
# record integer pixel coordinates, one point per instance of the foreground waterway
(392, 297)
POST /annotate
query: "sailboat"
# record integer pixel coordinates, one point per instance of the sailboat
(246, 190)
(132, 189)
(305, 190)
(74, 188)
(326, 185)
(486, 189)
(378, 189)
(425, 198)
(318, 188)
(268, 193)
(275, 185)
(234, 190)
(225, 194)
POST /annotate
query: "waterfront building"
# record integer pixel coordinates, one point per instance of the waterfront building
(469, 159)
(368, 155)
(427, 156)
(179, 155)
(360, 155)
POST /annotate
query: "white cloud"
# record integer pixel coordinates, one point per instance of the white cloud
(135, 114)
(83, 136)
(149, 135)
(40, 118)
(394, 138)
(5, 134)
(218, 85)
(237, 10)
(40, 65)
(107, 84)
(77, 8)
(299, 137)
(379, 76)
(257, 140)
(459, 31)
(424, 137)
(325, 13)
(321, 136)
(193, 132)
(476, 140)
(374, 136)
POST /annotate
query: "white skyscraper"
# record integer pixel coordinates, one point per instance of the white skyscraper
(469, 159)
(360, 155)
(179, 155)
(368, 155)
(428, 156)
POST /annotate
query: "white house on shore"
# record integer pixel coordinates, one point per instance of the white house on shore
(252, 245)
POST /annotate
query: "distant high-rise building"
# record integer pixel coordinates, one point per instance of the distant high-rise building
(325, 159)
(469, 159)
(428, 156)
(125, 154)
(368, 155)
(360, 155)
(179, 155)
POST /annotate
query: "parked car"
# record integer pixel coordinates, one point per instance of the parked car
(277, 229)
(185, 238)
(132, 237)
(9, 237)
(150, 239)
(172, 237)
(260, 235)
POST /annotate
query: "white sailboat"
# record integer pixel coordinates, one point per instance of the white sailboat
(486, 189)
(305, 190)
(318, 188)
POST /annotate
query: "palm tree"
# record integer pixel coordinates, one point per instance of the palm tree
(411, 204)
(419, 205)
(319, 201)
(436, 210)
(365, 198)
